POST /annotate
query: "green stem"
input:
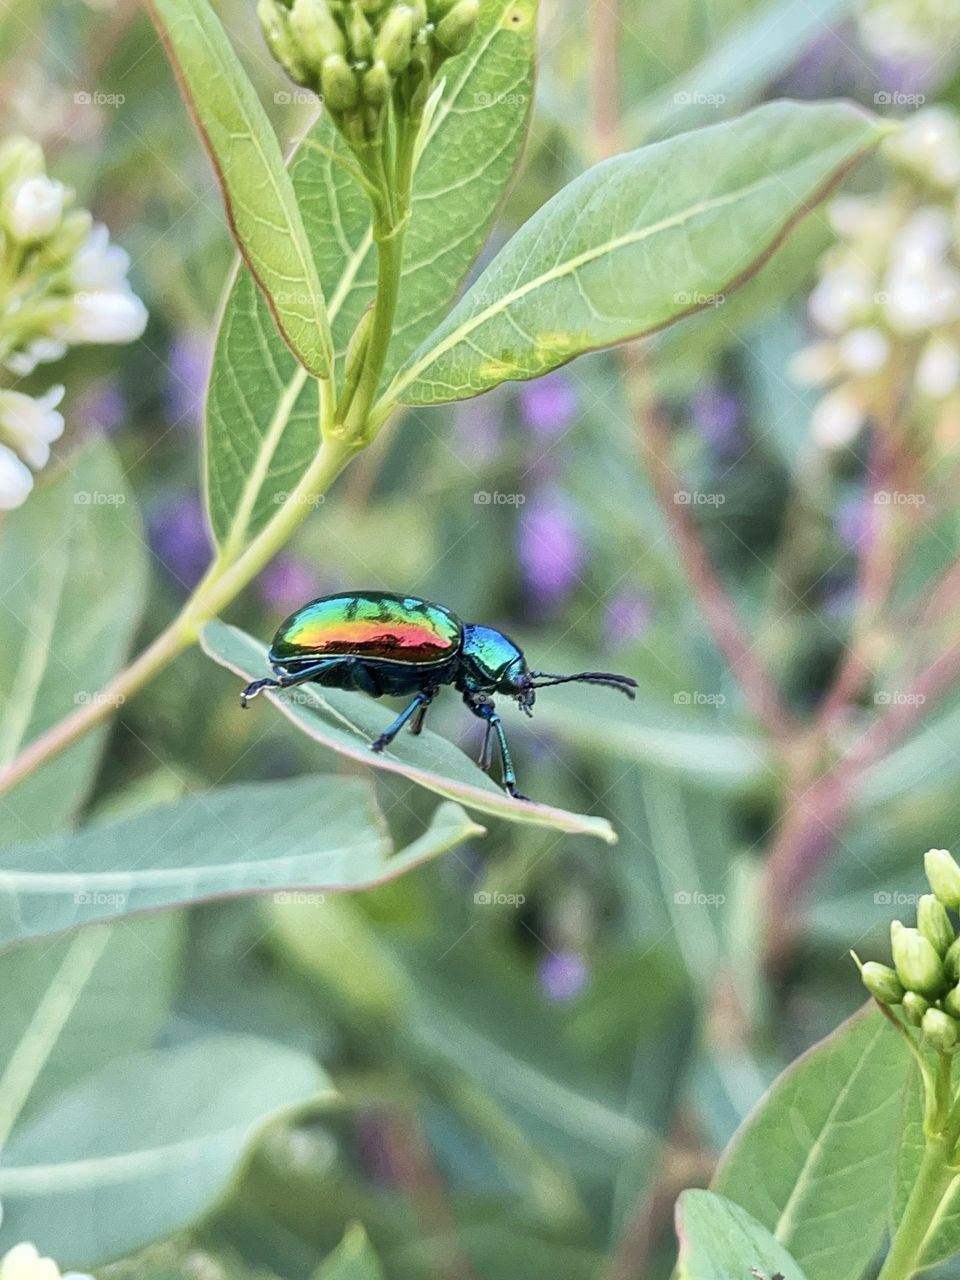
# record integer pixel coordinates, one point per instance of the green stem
(926, 1198)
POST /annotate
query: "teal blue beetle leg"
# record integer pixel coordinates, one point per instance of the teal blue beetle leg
(418, 719)
(287, 681)
(484, 708)
(418, 708)
(485, 759)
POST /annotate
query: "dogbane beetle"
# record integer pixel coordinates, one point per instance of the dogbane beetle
(379, 643)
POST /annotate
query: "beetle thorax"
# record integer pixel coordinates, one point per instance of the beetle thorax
(490, 662)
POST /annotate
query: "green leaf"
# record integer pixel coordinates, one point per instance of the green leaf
(719, 1241)
(814, 1161)
(353, 1260)
(72, 569)
(261, 409)
(348, 722)
(943, 1241)
(135, 970)
(145, 1146)
(637, 242)
(259, 197)
(321, 833)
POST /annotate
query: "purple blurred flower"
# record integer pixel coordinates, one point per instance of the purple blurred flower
(628, 616)
(477, 429)
(178, 535)
(549, 548)
(100, 407)
(563, 975)
(548, 405)
(716, 415)
(286, 583)
(187, 371)
(852, 521)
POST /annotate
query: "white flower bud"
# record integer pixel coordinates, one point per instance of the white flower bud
(31, 425)
(15, 485)
(814, 365)
(23, 1262)
(33, 208)
(837, 419)
(114, 315)
(40, 351)
(938, 370)
(844, 296)
(98, 264)
(864, 351)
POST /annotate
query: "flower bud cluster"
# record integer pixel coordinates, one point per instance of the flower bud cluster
(909, 30)
(888, 294)
(925, 978)
(61, 284)
(361, 55)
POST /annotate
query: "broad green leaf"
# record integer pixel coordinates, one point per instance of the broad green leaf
(348, 722)
(261, 409)
(814, 1162)
(145, 1146)
(46, 992)
(750, 55)
(943, 1241)
(320, 833)
(636, 243)
(353, 1260)
(720, 1241)
(72, 577)
(259, 196)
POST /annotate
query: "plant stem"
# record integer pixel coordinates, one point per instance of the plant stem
(931, 1184)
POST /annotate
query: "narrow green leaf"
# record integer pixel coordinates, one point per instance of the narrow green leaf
(814, 1162)
(72, 580)
(353, 1260)
(637, 242)
(261, 431)
(259, 197)
(348, 722)
(319, 833)
(720, 1241)
(145, 1146)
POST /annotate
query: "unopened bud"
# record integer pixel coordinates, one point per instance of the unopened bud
(275, 21)
(339, 83)
(437, 9)
(360, 34)
(934, 923)
(881, 981)
(944, 876)
(940, 1030)
(951, 1002)
(917, 963)
(19, 158)
(454, 31)
(316, 32)
(951, 962)
(377, 84)
(394, 43)
(74, 230)
(914, 1007)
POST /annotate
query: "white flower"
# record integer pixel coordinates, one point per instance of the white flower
(864, 351)
(111, 315)
(814, 365)
(837, 419)
(15, 485)
(40, 351)
(23, 1262)
(34, 208)
(98, 264)
(844, 296)
(31, 425)
(938, 370)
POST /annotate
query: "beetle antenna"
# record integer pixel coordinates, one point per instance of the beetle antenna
(626, 684)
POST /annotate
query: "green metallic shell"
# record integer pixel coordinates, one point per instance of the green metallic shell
(373, 625)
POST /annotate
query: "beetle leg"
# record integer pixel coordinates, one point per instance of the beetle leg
(252, 690)
(418, 719)
(484, 708)
(421, 700)
(485, 759)
(288, 681)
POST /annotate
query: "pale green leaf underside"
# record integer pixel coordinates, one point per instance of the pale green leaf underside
(635, 243)
(814, 1162)
(257, 190)
(262, 410)
(320, 832)
(720, 1241)
(144, 1146)
(348, 722)
(72, 584)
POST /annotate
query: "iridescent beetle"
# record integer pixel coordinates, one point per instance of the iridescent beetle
(379, 643)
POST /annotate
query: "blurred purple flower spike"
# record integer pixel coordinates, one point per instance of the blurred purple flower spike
(188, 367)
(563, 975)
(548, 405)
(549, 549)
(717, 415)
(287, 583)
(180, 541)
